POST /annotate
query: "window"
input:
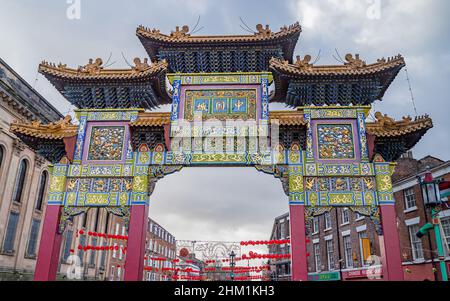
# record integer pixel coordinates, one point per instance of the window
(410, 198)
(282, 230)
(85, 219)
(120, 252)
(317, 257)
(81, 251)
(8, 245)
(348, 251)
(113, 268)
(345, 216)
(416, 243)
(41, 192)
(106, 222)
(119, 272)
(20, 181)
(114, 255)
(31, 250)
(92, 255)
(330, 255)
(2, 153)
(288, 228)
(67, 245)
(358, 216)
(97, 216)
(316, 224)
(327, 220)
(364, 247)
(103, 258)
(446, 237)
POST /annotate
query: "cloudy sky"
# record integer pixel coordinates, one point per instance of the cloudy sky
(236, 204)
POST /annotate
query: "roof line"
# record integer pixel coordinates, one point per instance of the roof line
(421, 173)
(31, 88)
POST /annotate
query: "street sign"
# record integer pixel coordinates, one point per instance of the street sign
(331, 276)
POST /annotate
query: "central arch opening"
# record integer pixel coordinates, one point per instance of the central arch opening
(220, 204)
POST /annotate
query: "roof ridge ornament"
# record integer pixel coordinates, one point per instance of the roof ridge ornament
(260, 30)
(384, 121)
(92, 67)
(290, 27)
(54, 130)
(303, 63)
(141, 66)
(355, 62)
(178, 34)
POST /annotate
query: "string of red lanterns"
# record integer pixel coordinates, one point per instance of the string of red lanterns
(166, 269)
(104, 235)
(239, 269)
(254, 255)
(265, 242)
(101, 248)
(244, 278)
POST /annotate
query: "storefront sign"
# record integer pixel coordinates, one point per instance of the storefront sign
(365, 273)
(332, 276)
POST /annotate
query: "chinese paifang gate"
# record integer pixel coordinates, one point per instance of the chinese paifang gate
(327, 155)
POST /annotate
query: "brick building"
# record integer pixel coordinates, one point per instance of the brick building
(419, 254)
(340, 239)
(160, 244)
(338, 242)
(280, 269)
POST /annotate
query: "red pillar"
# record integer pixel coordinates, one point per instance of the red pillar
(49, 246)
(137, 229)
(390, 245)
(299, 263)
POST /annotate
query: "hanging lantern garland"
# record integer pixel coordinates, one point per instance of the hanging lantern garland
(254, 255)
(104, 235)
(265, 242)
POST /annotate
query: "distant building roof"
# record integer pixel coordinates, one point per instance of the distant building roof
(408, 167)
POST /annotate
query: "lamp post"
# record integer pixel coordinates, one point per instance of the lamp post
(431, 199)
(232, 264)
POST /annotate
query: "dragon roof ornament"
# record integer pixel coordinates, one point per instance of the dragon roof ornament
(94, 69)
(386, 126)
(352, 66)
(56, 130)
(183, 34)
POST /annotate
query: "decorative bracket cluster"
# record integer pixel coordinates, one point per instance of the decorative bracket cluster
(157, 172)
(67, 213)
(278, 171)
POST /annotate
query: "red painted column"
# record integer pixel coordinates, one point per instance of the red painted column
(299, 263)
(137, 229)
(390, 245)
(49, 246)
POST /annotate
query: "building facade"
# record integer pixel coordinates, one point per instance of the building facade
(24, 176)
(339, 246)
(340, 240)
(280, 269)
(419, 255)
(109, 264)
(160, 253)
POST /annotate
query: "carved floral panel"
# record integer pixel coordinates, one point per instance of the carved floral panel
(106, 143)
(335, 141)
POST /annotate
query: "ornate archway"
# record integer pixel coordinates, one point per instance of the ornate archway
(323, 151)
